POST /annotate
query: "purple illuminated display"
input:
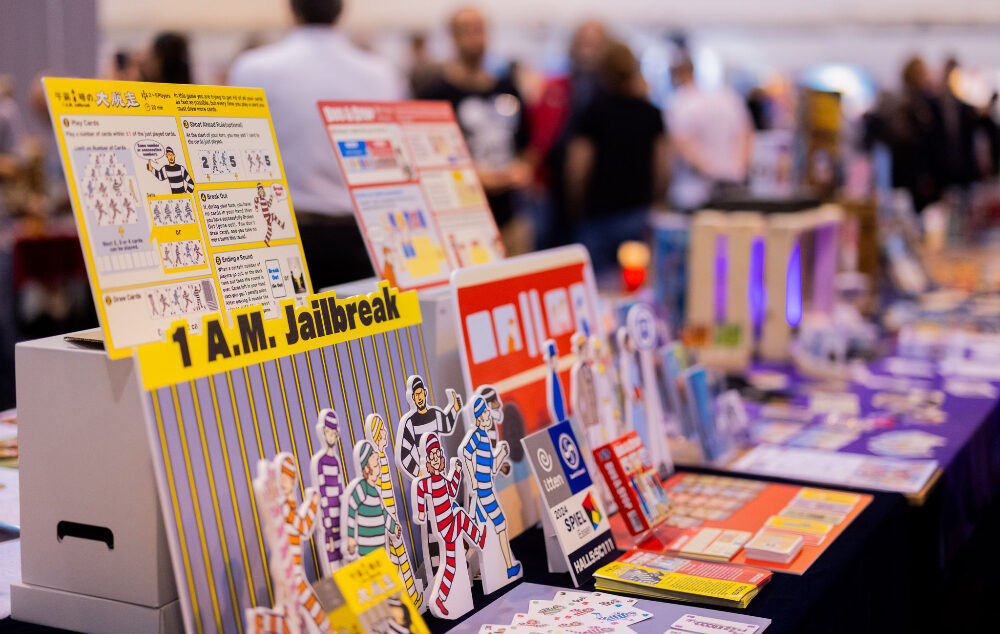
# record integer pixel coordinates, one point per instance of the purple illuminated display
(721, 275)
(793, 287)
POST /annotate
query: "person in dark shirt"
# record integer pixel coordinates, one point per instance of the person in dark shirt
(617, 163)
(490, 112)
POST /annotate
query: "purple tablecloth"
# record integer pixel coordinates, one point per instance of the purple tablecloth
(969, 459)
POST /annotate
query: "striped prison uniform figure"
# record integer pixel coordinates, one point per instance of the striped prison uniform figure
(263, 203)
(294, 599)
(396, 550)
(176, 176)
(414, 427)
(450, 520)
(390, 625)
(418, 424)
(327, 478)
(367, 520)
(479, 450)
(298, 526)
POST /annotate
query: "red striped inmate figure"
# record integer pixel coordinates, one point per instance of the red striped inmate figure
(448, 520)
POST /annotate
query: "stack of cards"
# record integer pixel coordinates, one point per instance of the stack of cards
(776, 546)
(571, 612)
(661, 576)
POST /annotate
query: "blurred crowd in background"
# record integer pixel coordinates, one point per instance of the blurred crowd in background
(584, 155)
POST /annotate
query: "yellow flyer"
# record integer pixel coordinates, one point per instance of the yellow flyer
(181, 203)
(367, 596)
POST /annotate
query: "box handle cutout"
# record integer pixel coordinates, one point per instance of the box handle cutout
(86, 531)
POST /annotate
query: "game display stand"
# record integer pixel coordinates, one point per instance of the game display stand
(721, 267)
(801, 261)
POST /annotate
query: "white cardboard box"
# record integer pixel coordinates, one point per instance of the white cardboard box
(94, 553)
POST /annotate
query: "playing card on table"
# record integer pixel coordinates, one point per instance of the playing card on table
(603, 600)
(565, 597)
(596, 628)
(546, 608)
(532, 620)
(574, 613)
(513, 629)
(611, 616)
(709, 625)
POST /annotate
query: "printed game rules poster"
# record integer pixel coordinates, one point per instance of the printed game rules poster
(181, 203)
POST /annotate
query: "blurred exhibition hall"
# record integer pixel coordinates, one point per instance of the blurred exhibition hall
(647, 131)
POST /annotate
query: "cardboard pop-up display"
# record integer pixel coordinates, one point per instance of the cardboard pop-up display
(800, 269)
(638, 341)
(752, 279)
(247, 393)
(725, 284)
(180, 200)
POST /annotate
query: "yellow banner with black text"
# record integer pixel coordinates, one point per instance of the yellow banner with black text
(323, 320)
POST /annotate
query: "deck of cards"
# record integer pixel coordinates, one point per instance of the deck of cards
(573, 612)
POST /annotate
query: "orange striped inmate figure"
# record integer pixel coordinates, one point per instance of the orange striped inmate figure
(287, 524)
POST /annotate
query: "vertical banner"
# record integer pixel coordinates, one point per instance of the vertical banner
(180, 200)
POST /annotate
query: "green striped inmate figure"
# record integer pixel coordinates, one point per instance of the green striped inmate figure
(376, 431)
(368, 525)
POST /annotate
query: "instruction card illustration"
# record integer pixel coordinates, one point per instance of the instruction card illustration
(417, 198)
(180, 201)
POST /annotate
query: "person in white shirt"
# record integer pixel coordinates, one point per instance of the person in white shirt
(712, 135)
(314, 62)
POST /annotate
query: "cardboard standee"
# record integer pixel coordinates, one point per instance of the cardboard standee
(422, 418)
(486, 458)
(287, 525)
(556, 403)
(715, 446)
(608, 388)
(583, 392)
(328, 479)
(672, 363)
(435, 501)
(377, 434)
(642, 331)
(367, 523)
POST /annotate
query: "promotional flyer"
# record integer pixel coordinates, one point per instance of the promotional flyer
(417, 198)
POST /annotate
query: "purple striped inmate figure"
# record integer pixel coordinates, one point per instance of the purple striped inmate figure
(328, 479)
